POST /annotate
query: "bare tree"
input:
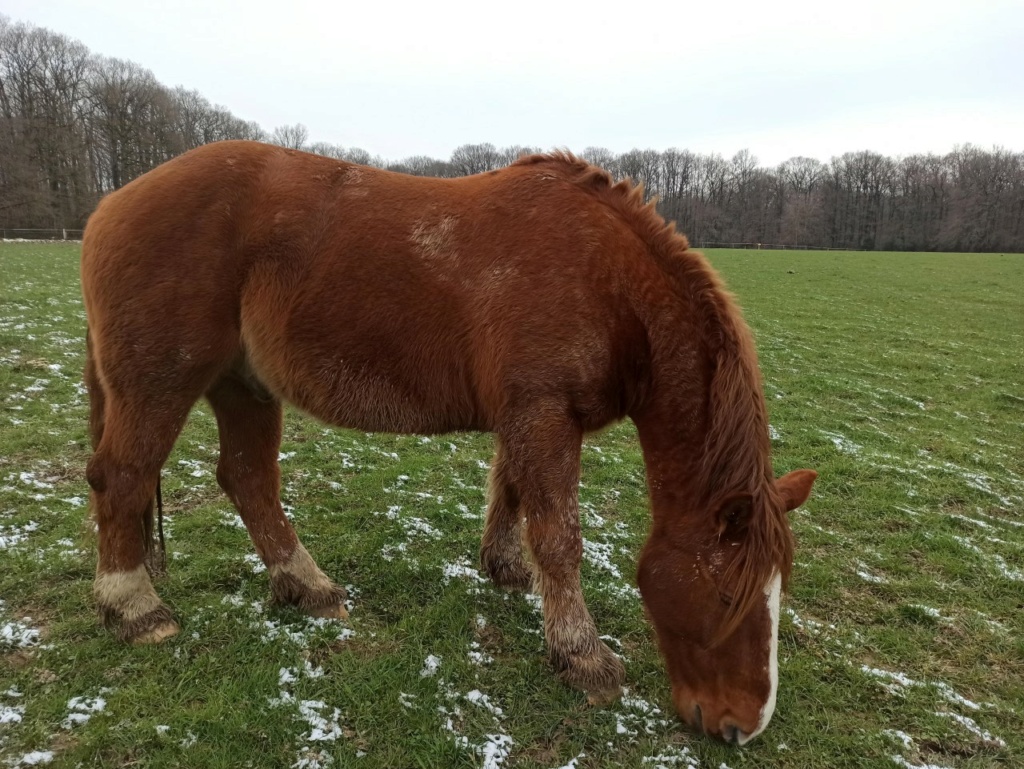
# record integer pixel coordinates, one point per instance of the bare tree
(475, 159)
(291, 136)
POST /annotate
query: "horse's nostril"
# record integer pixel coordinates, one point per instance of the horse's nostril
(697, 717)
(730, 733)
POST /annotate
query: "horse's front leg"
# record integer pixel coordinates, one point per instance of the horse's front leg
(543, 454)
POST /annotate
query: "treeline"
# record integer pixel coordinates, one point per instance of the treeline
(74, 126)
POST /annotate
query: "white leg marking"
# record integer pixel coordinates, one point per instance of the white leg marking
(128, 592)
(773, 596)
(301, 566)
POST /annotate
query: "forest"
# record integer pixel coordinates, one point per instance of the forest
(75, 125)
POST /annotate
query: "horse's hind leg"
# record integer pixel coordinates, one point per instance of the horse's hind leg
(248, 471)
(501, 548)
(544, 461)
(131, 446)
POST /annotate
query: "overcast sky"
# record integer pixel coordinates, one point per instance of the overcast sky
(815, 78)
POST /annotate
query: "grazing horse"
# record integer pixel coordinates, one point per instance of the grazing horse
(538, 302)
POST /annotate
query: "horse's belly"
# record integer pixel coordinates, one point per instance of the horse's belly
(369, 398)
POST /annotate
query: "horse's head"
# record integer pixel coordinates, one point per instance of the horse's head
(711, 586)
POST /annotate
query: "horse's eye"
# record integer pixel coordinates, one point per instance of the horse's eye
(726, 599)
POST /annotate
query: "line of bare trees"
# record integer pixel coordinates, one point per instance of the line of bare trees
(74, 126)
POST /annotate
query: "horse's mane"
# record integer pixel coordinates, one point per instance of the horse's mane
(737, 450)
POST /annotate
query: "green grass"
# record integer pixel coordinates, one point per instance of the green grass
(897, 376)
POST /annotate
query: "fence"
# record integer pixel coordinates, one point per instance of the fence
(54, 234)
(772, 246)
(66, 234)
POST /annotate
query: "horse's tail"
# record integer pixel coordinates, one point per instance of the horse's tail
(97, 395)
(156, 558)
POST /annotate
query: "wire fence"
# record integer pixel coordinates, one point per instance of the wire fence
(66, 234)
(52, 234)
(772, 246)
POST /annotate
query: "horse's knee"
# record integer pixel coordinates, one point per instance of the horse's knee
(225, 478)
(96, 473)
(554, 548)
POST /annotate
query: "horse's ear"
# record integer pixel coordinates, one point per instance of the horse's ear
(734, 514)
(795, 487)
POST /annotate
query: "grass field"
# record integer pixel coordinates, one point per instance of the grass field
(897, 376)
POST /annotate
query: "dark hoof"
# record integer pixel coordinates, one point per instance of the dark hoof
(326, 602)
(600, 674)
(507, 574)
(334, 611)
(158, 634)
(152, 627)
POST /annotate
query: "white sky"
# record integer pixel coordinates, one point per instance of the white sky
(815, 77)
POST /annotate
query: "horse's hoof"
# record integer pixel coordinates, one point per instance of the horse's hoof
(331, 611)
(604, 698)
(509, 574)
(599, 674)
(157, 634)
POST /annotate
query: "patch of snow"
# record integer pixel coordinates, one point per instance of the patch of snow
(864, 574)
(231, 518)
(970, 725)
(950, 694)
(81, 709)
(478, 657)
(901, 761)
(482, 700)
(898, 682)
(430, 666)
(18, 635)
(903, 737)
(460, 570)
(13, 535)
(572, 762)
(35, 758)
(11, 714)
(671, 757)
(495, 750)
(843, 444)
(599, 554)
(322, 729)
(258, 567)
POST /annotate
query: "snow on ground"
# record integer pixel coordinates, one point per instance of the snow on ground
(635, 715)
(971, 725)
(33, 758)
(323, 721)
(430, 666)
(671, 758)
(15, 634)
(495, 746)
(82, 709)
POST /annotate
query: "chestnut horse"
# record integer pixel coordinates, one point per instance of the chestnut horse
(538, 302)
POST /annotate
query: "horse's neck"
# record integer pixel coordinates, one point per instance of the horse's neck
(672, 426)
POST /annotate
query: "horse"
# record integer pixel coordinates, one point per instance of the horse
(539, 302)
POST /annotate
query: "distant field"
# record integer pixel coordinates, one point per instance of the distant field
(899, 377)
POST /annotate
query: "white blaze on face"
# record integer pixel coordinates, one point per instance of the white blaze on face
(772, 596)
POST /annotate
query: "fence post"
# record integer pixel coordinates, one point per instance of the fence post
(64, 232)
